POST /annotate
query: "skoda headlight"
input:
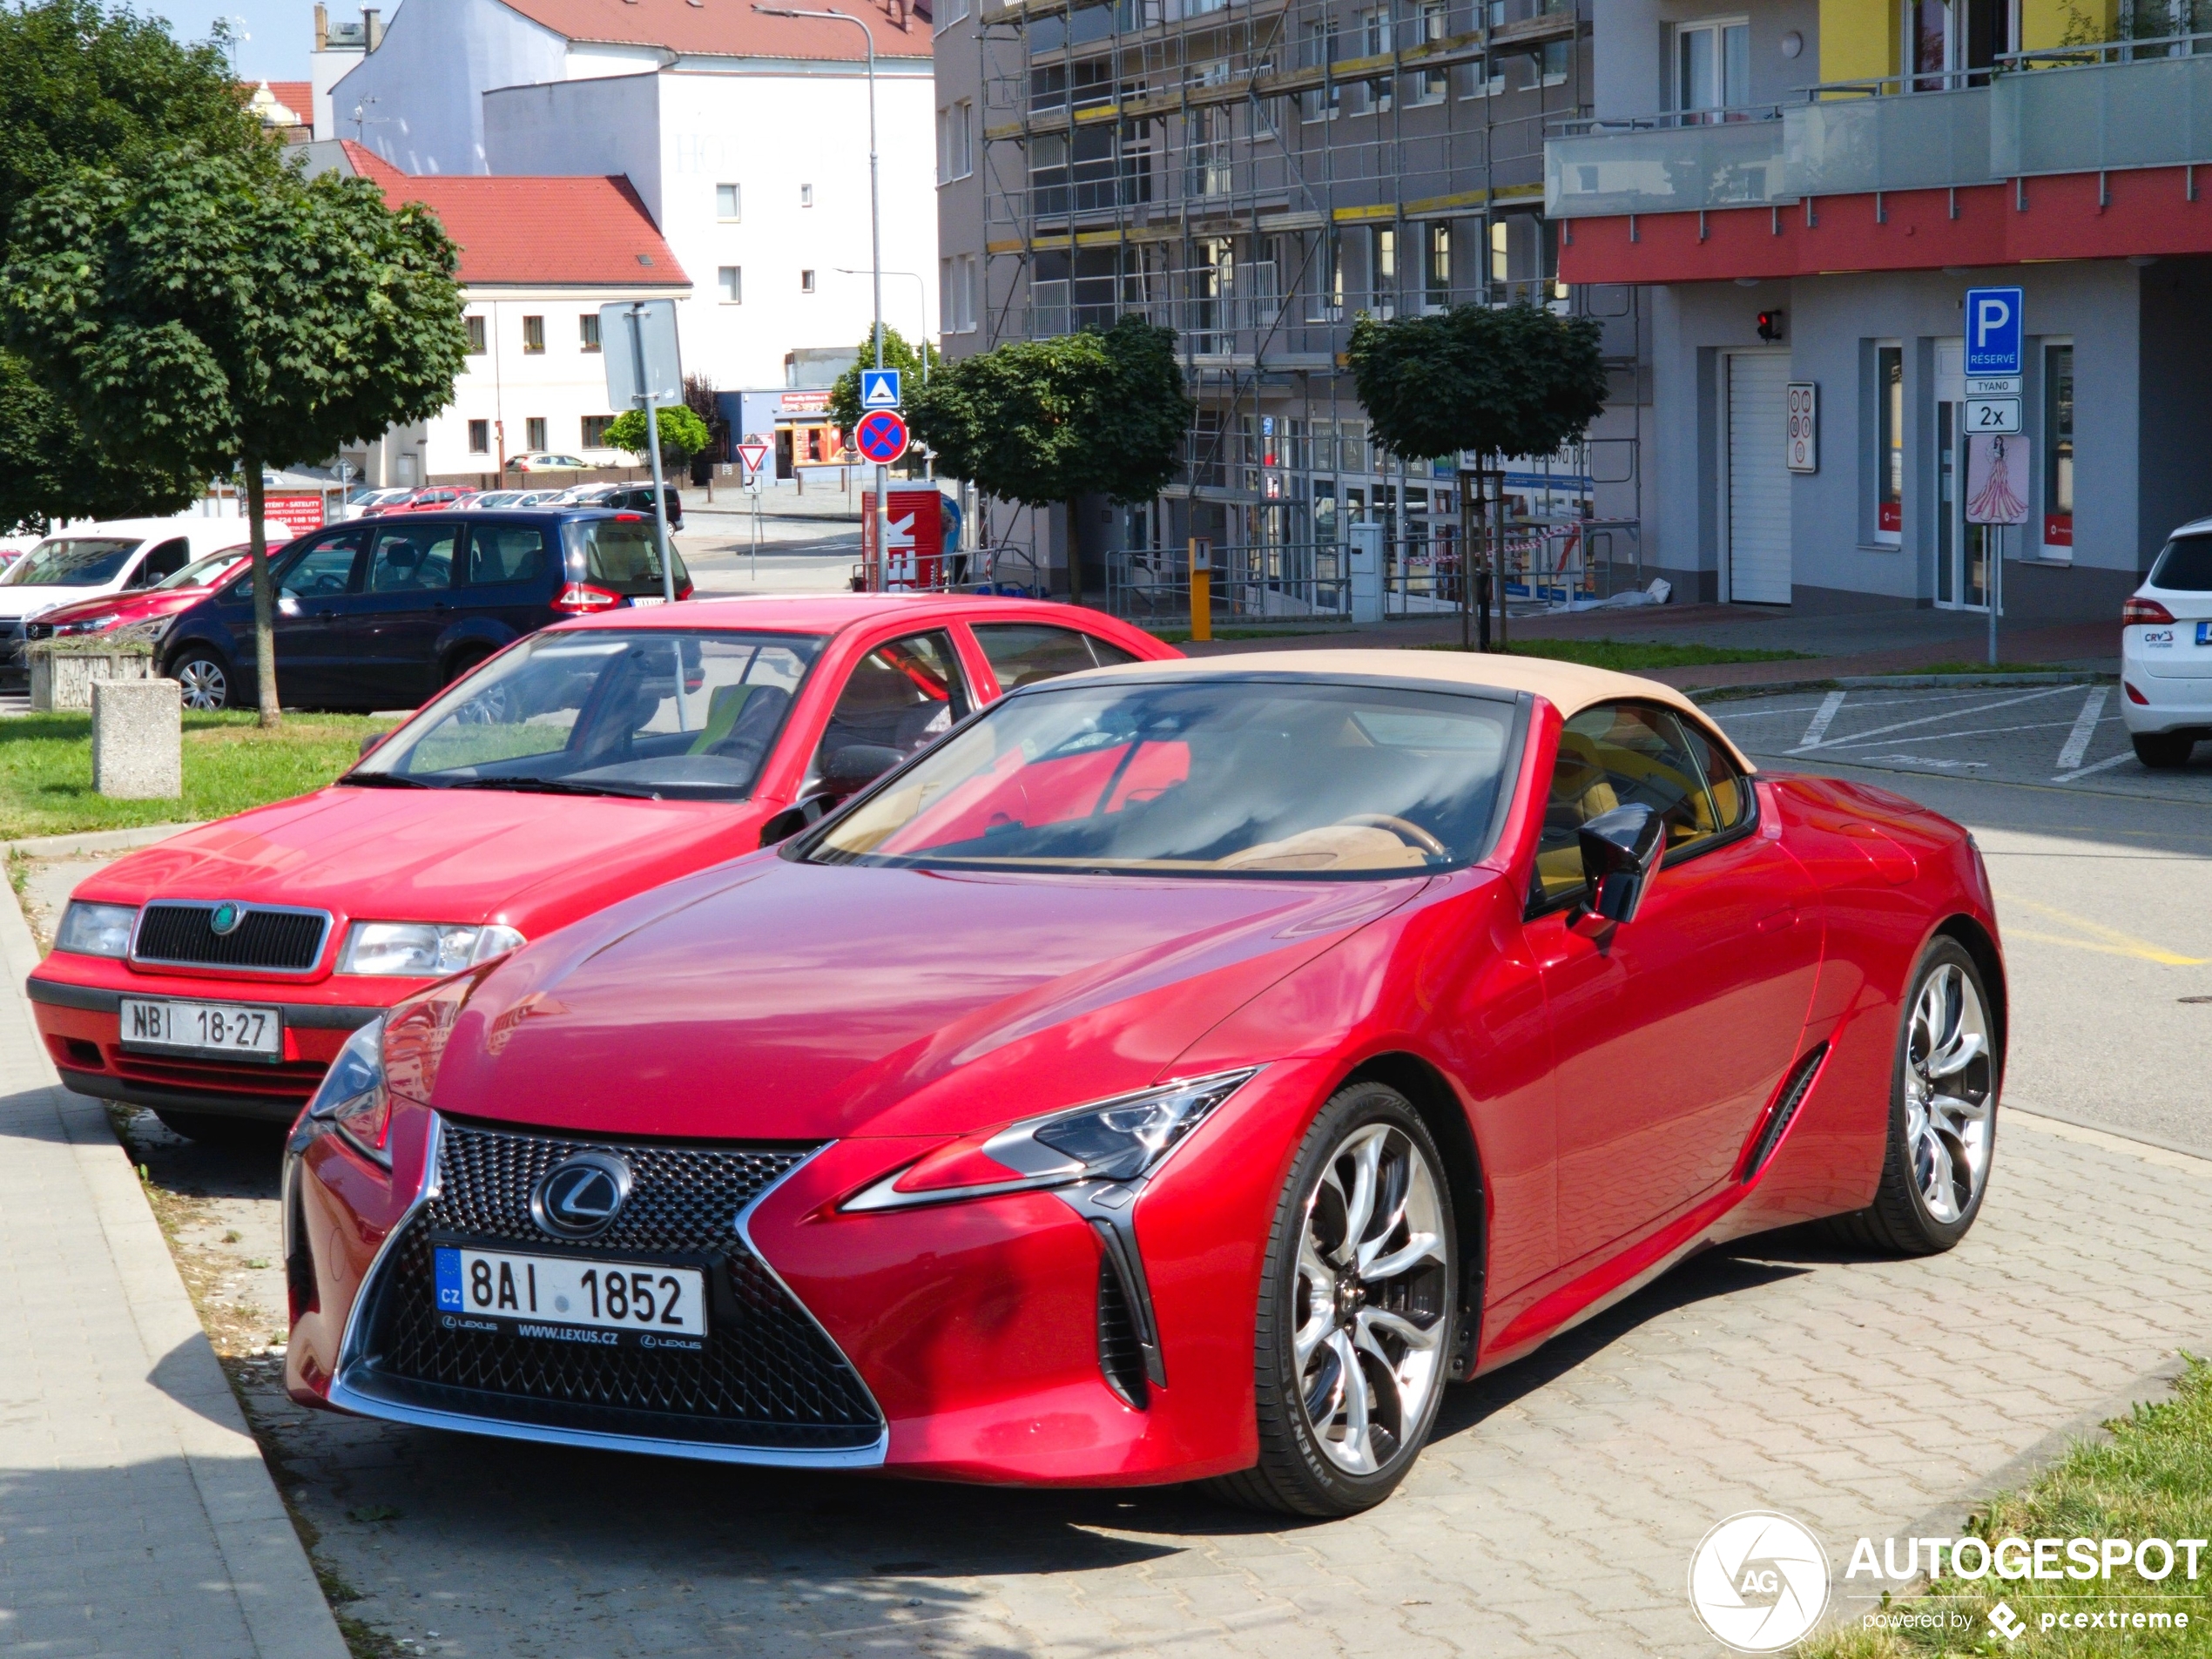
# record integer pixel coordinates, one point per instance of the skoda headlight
(351, 1098)
(1121, 1139)
(97, 929)
(421, 949)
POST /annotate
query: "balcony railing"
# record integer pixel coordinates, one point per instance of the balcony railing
(2131, 103)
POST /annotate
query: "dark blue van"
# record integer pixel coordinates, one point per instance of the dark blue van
(378, 613)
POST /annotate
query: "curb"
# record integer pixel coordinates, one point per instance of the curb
(1899, 683)
(46, 846)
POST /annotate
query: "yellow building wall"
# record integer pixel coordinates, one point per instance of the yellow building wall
(2045, 24)
(1859, 38)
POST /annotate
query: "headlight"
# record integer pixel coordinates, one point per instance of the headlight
(421, 949)
(88, 625)
(1121, 1139)
(97, 929)
(353, 1099)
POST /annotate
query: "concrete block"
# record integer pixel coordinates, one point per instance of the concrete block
(138, 740)
(63, 680)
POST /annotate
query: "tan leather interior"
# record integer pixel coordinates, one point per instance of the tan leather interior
(1332, 847)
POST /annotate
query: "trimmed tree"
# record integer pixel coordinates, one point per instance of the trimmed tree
(216, 313)
(81, 86)
(683, 435)
(1510, 380)
(1038, 422)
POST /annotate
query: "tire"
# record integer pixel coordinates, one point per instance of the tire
(214, 1128)
(1935, 1163)
(1326, 1449)
(205, 679)
(461, 663)
(2161, 750)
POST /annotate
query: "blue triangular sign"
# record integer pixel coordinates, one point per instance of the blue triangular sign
(880, 388)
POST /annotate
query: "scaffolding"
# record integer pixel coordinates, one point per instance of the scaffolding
(1256, 176)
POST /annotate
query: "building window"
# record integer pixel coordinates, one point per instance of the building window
(807, 282)
(587, 330)
(806, 195)
(955, 141)
(1889, 444)
(950, 12)
(1382, 268)
(595, 430)
(956, 295)
(1712, 67)
(730, 279)
(475, 325)
(729, 202)
(479, 437)
(2058, 451)
(534, 432)
(1436, 266)
(533, 334)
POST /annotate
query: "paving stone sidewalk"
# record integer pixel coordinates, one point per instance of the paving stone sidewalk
(136, 1516)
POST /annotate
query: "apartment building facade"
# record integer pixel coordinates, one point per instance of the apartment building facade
(1843, 173)
(1256, 176)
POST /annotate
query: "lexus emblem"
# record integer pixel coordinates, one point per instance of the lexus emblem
(225, 919)
(580, 1197)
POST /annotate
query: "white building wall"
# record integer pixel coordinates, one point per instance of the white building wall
(427, 76)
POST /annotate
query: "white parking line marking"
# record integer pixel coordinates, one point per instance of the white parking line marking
(2085, 727)
(1930, 720)
(2070, 777)
(1818, 729)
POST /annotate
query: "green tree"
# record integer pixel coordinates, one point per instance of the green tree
(215, 313)
(1504, 380)
(683, 435)
(1037, 422)
(898, 352)
(81, 86)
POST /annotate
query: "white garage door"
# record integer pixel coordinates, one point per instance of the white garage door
(1759, 482)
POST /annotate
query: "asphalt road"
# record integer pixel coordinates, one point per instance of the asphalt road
(2103, 872)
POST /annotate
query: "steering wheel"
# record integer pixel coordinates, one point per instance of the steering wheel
(1405, 832)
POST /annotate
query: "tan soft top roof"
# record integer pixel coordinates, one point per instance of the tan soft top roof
(1569, 687)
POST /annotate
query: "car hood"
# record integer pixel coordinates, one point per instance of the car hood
(774, 999)
(127, 608)
(429, 854)
(31, 602)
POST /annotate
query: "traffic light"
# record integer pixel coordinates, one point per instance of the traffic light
(1771, 325)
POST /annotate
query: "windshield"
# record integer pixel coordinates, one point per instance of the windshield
(645, 712)
(1221, 778)
(72, 562)
(204, 573)
(2185, 566)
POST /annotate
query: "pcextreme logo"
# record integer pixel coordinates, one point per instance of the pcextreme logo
(1759, 1582)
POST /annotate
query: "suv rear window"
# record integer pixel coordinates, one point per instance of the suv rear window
(618, 555)
(2185, 566)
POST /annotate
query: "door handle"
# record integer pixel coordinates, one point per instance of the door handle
(1776, 922)
(326, 616)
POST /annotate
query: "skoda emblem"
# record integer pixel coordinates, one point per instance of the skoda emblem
(580, 1197)
(225, 918)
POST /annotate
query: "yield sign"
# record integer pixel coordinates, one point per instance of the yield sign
(753, 455)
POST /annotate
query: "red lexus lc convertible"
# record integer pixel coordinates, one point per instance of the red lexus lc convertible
(1180, 1071)
(213, 977)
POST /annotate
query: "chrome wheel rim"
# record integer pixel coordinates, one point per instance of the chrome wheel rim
(1372, 1293)
(1949, 1079)
(202, 685)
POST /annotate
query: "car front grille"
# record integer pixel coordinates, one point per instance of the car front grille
(766, 1378)
(273, 940)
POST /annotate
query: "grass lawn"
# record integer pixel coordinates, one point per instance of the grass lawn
(229, 765)
(1632, 657)
(1181, 636)
(2152, 1479)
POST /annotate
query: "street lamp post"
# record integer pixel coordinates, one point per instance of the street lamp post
(922, 297)
(875, 251)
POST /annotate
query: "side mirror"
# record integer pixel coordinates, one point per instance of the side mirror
(797, 816)
(1621, 854)
(370, 739)
(858, 765)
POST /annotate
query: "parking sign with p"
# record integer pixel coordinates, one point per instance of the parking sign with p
(1992, 332)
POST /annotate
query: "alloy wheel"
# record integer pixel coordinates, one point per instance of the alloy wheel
(1371, 1298)
(1947, 1085)
(202, 685)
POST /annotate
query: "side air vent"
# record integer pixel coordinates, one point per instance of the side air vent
(1794, 1090)
(1120, 1357)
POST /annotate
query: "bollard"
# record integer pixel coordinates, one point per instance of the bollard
(1201, 589)
(137, 740)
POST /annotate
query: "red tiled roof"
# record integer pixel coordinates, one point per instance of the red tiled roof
(299, 96)
(530, 231)
(732, 28)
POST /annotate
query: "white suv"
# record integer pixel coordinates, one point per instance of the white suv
(2165, 651)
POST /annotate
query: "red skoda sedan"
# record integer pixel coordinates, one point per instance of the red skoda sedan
(1180, 1072)
(213, 977)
